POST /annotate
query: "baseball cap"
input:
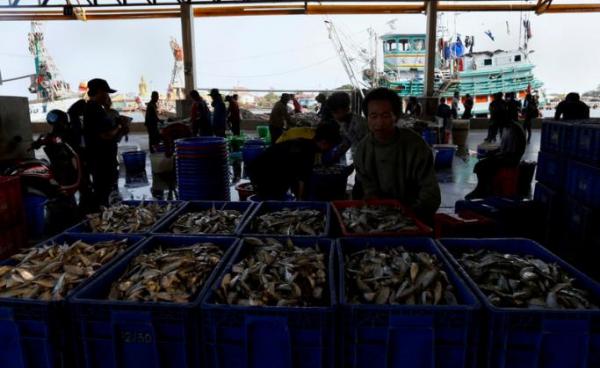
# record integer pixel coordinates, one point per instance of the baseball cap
(97, 84)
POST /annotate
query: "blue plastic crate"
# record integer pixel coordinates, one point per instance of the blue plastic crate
(141, 334)
(407, 335)
(36, 333)
(583, 183)
(272, 206)
(551, 170)
(525, 338)
(552, 205)
(245, 208)
(556, 136)
(270, 337)
(84, 228)
(582, 223)
(515, 217)
(551, 202)
(586, 142)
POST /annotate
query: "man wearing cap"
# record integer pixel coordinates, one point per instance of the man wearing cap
(279, 118)
(101, 134)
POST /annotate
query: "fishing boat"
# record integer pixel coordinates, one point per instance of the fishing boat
(458, 69)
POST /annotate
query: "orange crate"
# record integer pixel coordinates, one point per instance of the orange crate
(11, 203)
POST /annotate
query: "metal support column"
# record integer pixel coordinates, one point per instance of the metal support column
(428, 101)
(431, 47)
(187, 36)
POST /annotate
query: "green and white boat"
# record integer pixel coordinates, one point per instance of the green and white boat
(480, 74)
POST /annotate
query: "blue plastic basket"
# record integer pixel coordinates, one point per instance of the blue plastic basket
(202, 168)
(582, 227)
(251, 152)
(551, 170)
(38, 334)
(270, 337)
(245, 208)
(526, 338)
(328, 187)
(515, 217)
(407, 335)
(256, 198)
(135, 161)
(429, 136)
(84, 226)
(444, 155)
(557, 136)
(583, 183)
(141, 334)
(273, 206)
(586, 142)
(552, 206)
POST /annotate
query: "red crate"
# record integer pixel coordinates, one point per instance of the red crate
(463, 224)
(422, 229)
(11, 240)
(11, 203)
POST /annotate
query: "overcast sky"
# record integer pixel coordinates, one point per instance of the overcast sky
(283, 52)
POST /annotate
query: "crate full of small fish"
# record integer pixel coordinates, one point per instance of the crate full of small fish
(127, 217)
(289, 219)
(34, 287)
(273, 305)
(207, 217)
(377, 218)
(540, 311)
(398, 296)
(145, 311)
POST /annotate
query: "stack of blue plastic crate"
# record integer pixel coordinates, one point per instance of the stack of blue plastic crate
(569, 186)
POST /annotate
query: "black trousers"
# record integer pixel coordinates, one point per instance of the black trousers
(235, 127)
(103, 180)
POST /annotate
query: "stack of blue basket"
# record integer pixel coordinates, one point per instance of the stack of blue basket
(202, 169)
(250, 151)
(569, 185)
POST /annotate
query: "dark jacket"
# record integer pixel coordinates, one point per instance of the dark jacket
(219, 117)
(401, 169)
(572, 110)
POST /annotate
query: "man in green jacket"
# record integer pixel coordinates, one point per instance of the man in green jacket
(395, 163)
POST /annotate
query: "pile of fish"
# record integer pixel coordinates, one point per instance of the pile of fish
(395, 276)
(376, 219)
(514, 281)
(51, 271)
(167, 275)
(124, 218)
(211, 221)
(276, 274)
(290, 222)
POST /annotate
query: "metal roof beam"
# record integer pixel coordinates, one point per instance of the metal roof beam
(542, 6)
(225, 9)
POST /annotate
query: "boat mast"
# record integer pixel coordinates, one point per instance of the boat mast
(46, 83)
(337, 44)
